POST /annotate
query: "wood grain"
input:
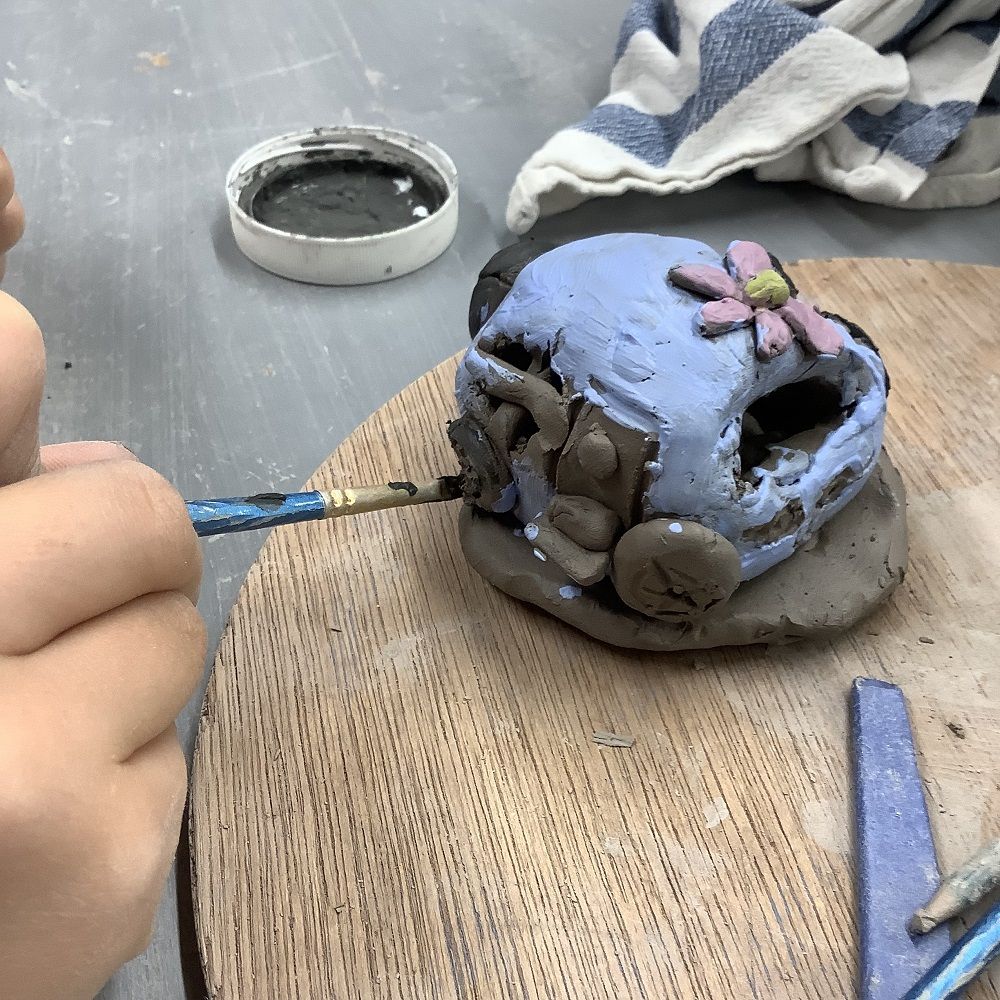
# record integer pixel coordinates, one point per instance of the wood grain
(397, 794)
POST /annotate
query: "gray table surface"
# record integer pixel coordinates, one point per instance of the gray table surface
(230, 380)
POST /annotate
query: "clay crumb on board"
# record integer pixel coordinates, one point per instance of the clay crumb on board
(926, 640)
(605, 739)
(958, 729)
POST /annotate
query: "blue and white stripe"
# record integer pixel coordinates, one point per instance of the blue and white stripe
(895, 102)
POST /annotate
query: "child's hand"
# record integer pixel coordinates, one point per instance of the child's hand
(100, 648)
(11, 212)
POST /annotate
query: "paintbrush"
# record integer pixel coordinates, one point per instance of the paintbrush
(268, 510)
(975, 880)
(483, 480)
(965, 960)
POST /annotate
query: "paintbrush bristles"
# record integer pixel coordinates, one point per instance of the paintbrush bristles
(364, 499)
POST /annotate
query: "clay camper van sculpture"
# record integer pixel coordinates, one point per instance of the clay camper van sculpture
(674, 448)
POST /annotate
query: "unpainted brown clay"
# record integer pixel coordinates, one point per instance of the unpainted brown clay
(581, 565)
(618, 488)
(664, 568)
(857, 561)
(599, 453)
(484, 471)
(586, 521)
(536, 395)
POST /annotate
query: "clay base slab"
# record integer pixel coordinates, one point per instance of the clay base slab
(856, 563)
(396, 791)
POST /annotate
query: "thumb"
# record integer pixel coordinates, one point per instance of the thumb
(22, 380)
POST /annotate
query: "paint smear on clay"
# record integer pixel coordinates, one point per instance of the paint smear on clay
(716, 812)
(569, 593)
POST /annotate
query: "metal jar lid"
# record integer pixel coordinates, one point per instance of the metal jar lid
(349, 260)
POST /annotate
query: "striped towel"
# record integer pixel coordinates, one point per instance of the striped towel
(888, 101)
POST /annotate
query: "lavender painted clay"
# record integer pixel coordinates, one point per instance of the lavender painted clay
(693, 406)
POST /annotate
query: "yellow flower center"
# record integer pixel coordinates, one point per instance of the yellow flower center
(768, 289)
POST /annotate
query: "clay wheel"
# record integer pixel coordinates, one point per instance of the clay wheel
(671, 568)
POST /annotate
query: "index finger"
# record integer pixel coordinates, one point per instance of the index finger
(79, 542)
(120, 679)
(6, 180)
(22, 381)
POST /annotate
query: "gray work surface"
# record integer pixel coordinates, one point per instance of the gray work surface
(230, 380)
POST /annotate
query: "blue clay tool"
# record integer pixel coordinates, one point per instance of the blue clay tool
(268, 510)
(897, 865)
(960, 965)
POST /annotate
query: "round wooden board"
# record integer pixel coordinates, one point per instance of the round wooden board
(396, 793)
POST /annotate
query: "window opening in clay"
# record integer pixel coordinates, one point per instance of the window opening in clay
(514, 353)
(799, 416)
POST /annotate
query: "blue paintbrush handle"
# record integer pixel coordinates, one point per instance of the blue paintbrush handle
(268, 510)
(965, 960)
(265, 510)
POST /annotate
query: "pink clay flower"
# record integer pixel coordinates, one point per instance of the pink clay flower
(752, 291)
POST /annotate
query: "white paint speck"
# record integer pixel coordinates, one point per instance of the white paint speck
(177, 92)
(570, 592)
(539, 554)
(716, 812)
(612, 846)
(11, 66)
(403, 184)
(30, 95)
(421, 211)
(531, 531)
(67, 140)
(676, 527)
